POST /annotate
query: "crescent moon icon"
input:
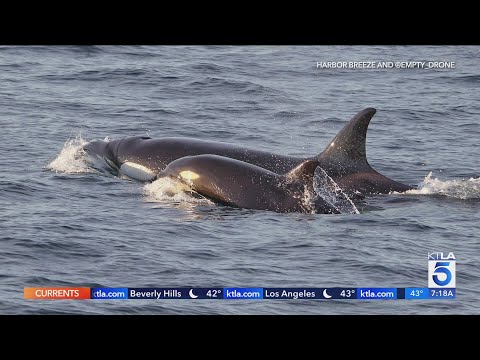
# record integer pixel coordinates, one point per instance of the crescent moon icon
(192, 295)
(325, 295)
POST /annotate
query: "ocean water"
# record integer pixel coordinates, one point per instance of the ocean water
(68, 222)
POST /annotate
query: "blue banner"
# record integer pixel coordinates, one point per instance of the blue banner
(175, 293)
(109, 293)
(236, 293)
(377, 293)
(243, 293)
(416, 293)
(438, 293)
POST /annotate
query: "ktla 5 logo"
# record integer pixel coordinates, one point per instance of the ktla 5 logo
(441, 270)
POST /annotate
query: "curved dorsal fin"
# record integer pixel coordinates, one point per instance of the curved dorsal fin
(346, 155)
(303, 172)
(348, 148)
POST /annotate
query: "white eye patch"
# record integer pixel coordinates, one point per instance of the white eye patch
(189, 175)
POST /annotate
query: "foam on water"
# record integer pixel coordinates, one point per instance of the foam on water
(72, 159)
(170, 190)
(458, 188)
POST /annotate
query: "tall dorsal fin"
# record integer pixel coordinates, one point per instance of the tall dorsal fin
(346, 155)
(348, 148)
(303, 172)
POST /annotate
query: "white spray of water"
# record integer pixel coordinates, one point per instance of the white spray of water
(72, 159)
(170, 190)
(308, 200)
(460, 189)
(328, 190)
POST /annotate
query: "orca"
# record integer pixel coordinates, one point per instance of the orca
(344, 158)
(237, 183)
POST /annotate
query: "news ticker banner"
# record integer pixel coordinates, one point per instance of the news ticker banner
(236, 293)
(441, 285)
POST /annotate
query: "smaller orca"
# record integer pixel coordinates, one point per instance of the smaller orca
(237, 183)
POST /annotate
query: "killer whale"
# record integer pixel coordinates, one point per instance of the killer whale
(237, 183)
(344, 158)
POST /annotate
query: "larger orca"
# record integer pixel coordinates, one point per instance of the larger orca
(344, 159)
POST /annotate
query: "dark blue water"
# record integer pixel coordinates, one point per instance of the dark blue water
(64, 222)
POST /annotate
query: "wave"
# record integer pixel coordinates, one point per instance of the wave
(209, 67)
(464, 189)
(72, 158)
(239, 86)
(167, 190)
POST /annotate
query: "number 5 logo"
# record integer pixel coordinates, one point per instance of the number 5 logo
(441, 273)
(441, 267)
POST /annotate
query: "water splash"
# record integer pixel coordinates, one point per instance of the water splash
(460, 189)
(71, 159)
(329, 190)
(308, 200)
(170, 190)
